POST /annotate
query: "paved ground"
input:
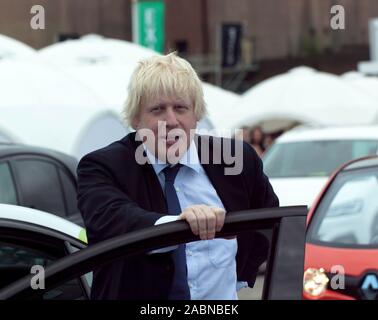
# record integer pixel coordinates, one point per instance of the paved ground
(252, 294)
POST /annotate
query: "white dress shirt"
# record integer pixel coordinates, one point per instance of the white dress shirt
(211, 263)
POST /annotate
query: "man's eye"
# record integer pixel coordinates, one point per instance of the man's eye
(156, 109)
(180, 107)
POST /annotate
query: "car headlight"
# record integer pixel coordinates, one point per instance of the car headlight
(315, 281)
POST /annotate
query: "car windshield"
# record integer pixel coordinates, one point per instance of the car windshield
(314, 158)
(348, 214)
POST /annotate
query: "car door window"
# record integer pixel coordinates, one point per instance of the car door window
(7, 187)
(16, 261)
(23, 246)
(69, 190)
(39, 185)
(348, 214)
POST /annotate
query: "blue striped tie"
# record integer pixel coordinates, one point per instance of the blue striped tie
(180, 289)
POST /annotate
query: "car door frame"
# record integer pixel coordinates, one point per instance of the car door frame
(285, 263)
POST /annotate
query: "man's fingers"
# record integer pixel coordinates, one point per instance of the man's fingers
(191, 219)
(220, 214)
(210, 221)
(204, 221)
(202, 224)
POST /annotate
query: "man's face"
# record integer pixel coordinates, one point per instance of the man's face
(171, 120)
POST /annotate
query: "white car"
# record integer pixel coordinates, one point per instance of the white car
(30, 237)
(300, 161)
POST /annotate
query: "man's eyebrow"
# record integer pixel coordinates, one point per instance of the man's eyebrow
(181, 102)
(160, 104)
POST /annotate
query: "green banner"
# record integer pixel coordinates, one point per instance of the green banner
(148, 24)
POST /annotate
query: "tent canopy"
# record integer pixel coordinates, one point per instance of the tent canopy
(12, 48)
(107, 81)
(92, 49)
(28, 82)
(40, 106)
(73, 130)
(305, 95)
(367, 85)
(220, 105)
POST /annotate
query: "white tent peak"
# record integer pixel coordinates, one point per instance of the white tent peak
(352, 75)
(93, 48)
(301, 70)
(92, 37)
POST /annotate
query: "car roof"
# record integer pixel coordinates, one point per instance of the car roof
(329, 133)
(14, 149)
(362, 163)
(41, 218)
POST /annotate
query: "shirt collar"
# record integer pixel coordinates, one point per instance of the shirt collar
(189, 159)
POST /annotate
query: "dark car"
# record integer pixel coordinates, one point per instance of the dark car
(39, 178)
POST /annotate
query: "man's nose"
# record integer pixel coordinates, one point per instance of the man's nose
(171, 118)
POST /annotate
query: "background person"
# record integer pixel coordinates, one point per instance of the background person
(257, 140)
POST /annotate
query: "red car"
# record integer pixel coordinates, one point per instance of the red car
(341, 259)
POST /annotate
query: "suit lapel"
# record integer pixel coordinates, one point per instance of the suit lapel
(154, 191)
(227, 187)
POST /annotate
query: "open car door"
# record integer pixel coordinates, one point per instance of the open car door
(283, 227)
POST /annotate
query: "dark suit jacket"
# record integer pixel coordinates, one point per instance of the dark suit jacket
(116, 195)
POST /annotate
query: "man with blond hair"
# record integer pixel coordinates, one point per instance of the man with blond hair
(164, 172)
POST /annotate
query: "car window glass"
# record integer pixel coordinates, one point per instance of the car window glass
(40, 186)
(7, 187)
(314, 158)
(348, 214)
(17, 261)
(69, 190)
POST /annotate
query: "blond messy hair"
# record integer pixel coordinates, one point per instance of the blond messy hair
(167, 75)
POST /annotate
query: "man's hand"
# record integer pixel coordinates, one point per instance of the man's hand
(204, 220)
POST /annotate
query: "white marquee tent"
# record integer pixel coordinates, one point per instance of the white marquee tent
(107, 81)
(12, 48)
(367, 85)
(40, 106)
(220, 105)
(304, 95)
(92, 49)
